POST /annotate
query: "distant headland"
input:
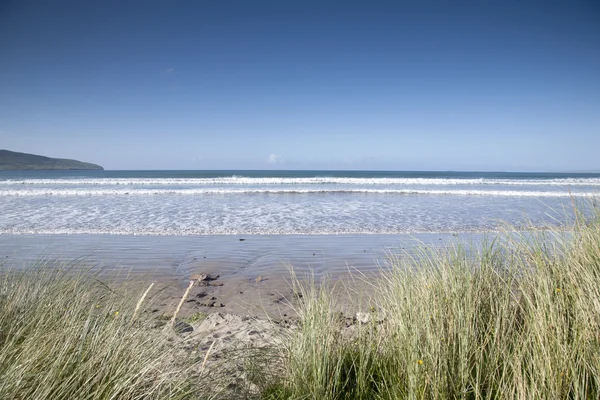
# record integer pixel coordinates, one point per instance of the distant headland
(10, 160)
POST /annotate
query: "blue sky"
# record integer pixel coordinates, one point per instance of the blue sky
(480, 85)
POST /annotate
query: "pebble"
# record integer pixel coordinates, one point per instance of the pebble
(182, 327)
(363, 318)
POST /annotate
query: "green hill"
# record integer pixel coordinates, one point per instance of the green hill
(10, 160)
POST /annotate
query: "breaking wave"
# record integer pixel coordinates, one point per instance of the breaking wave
(284, 191)
(237, 180)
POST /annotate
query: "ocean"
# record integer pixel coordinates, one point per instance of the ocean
(181, 203)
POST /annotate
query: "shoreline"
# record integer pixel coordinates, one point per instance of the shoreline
(252, 270)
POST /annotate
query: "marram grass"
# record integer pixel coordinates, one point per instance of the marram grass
(65, 335)
(515, 318)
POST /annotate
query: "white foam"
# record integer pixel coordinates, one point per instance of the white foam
(243, 205)
(236, 232)
(236, 180)
(284, 191)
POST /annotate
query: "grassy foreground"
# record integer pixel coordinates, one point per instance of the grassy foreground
(517, 318)
(65, 335)
(511, 319)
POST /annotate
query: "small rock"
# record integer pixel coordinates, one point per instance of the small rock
(203, 277)
(200, 295)
(199, 277)
(363, 318)
(182, 327)
(259, 279)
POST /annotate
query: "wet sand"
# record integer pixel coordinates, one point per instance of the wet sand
(253, 275)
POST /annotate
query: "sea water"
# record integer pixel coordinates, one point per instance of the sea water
(285, 202)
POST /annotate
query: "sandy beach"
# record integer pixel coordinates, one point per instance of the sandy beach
(251, 273)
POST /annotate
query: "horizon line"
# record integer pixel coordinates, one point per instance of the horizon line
(369, 170)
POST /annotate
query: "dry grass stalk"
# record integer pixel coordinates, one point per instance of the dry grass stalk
(141, 301)
(185, 295)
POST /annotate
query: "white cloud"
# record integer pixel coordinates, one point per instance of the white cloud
(276, 158)
(169, 70)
